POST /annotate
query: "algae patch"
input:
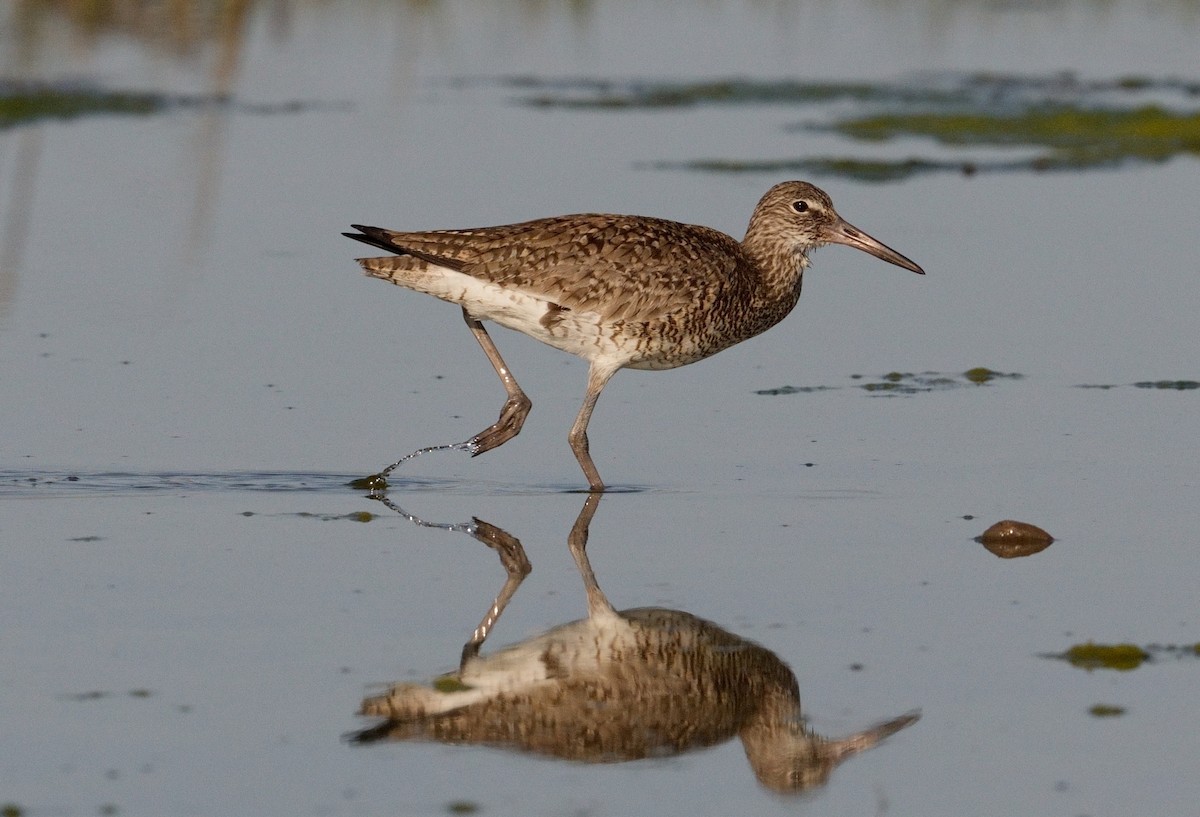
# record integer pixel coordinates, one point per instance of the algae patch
(896, 382)
(1123, 657)
(981, 374)
(25, 103)
(1177, 385)
(1068, 137)
(958, 123)
(608, 95)
(353, 516)
(845, 167)
(794, 390)
(374, 482)
(909, 383)
(1162, 385)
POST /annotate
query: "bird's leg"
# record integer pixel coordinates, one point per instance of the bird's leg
(512, 416)
(516, 407)
(597, 378)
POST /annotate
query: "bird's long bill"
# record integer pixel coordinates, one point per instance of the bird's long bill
(842, 233)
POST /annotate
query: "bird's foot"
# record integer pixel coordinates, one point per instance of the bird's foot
(512, 417)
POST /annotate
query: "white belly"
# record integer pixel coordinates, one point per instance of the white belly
(579, 333)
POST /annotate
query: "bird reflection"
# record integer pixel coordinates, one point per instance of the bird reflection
(616, 686)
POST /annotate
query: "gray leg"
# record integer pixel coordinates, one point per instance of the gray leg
(597, 378)
(516, 407)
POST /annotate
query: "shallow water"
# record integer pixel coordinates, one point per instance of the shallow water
(193, 370)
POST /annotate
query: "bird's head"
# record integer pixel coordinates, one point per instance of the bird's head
(799, 217)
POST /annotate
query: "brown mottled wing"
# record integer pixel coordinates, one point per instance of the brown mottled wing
(622, 267)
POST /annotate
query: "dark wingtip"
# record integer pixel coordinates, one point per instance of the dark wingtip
(360, 237)
(385, 240)
(374, 236)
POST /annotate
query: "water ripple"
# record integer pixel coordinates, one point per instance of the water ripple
(33, 483)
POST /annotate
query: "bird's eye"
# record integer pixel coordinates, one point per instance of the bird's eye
(800, 206)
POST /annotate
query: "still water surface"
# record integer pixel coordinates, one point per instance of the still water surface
(193, 368)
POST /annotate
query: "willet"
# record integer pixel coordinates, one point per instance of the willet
(619, 291)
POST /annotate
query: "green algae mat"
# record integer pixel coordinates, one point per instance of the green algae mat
(968, 124)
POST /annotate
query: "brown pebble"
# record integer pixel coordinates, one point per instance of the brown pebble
(1009, 539)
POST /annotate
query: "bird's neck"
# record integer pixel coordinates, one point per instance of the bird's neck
(779, 270)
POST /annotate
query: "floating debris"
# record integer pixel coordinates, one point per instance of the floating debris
(1010, 539)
